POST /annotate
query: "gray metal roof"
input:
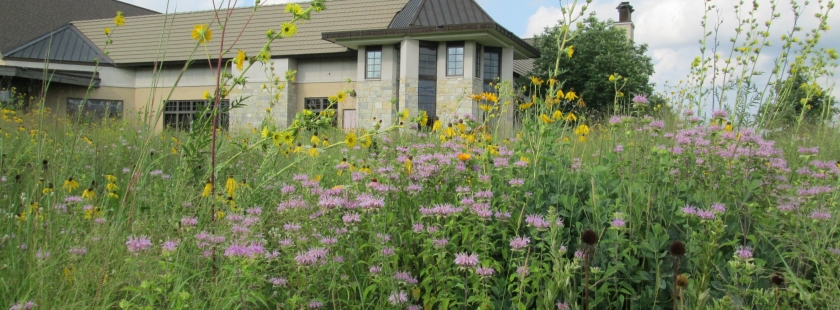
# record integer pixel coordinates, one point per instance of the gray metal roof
(21, 21)
(80, 78)
(437, 13)
(64, 44)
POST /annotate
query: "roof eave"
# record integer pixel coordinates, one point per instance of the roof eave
(349, 38)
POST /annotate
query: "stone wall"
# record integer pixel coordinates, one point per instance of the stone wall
(452, 98)
(374, 100)
(408, 95)
(254, 111)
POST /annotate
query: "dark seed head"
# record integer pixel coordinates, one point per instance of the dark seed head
(777, 279)
(677, 248)
(589, 237)
(681, 281)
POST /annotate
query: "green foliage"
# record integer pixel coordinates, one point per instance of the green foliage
(599, 51)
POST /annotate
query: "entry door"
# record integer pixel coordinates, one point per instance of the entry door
(427, 88)
(349, 120)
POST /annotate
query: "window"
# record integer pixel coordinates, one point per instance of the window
(320, 104)
(373, 62)
(477, 60)
(455, 59)
(94, 109)
(180, 114)
(427, 86)
(492, 66)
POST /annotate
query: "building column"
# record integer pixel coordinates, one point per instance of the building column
(409, 76)
(259, 99)
(374, 96)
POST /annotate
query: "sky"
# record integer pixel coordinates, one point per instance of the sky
(671, 28)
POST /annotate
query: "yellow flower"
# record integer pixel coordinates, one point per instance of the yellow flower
(408, 165)
(332, 98)
(485, 107)
(552, 81)
(93, 213)
(350, 140)
(110, 178)
(571, 117)
(220, 215)
(536, 80)
(491, 97)
(313, 152)
(476, 97)
(208, 189)
(325, 142)
(288, 30)
(582, 130)
(464, 156)
(612, 77)
(264, 132)
(525, 159)
(403, 115)
(728, 127)
(366, 141)
(341, 96)
(70, 185)
(571, 95)
(68, 273)
(240, 60)
(449, 131)
(230, 186)
(424, 118)
(570, 51)
(436, 126)
(112, 187)
(119, 20)
(294, 8)
(582, 138)
(525, 106)
(108, 31)
(545, 119)
(89, 194)
(202, 33)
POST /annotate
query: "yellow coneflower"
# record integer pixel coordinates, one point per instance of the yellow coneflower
(313, 152)
(314, 139)
(113, 195)
(545, 119)
(350, 140)
(461, 126)
(110, 178)
(582, 130)
(230, 186)
(436, 125)
(557, 115)
(208, 189)
(112, 187)
(365, 169)
(202, 33)
(68, 273)
(93, 213)
(728, 127)
(525, 106)
(298, 148)
(48, 189)
(571, 95)
(86, 139)
(70, 185)
(287, 30)
(21, 216)
(612, 77)
(571, 117)
(408, 165)
(491, 97)
(449, 131)
(240, 60)
(582, 138)
(424, 118)
(536, 80)
(232, 204)
(220, 215)
(89, 194)
(325, 142)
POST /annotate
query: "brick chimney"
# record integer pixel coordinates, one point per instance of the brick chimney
(625, 19)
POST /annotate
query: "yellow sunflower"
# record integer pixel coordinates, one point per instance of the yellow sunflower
(351, 140)
(202, 33)
(287, 30)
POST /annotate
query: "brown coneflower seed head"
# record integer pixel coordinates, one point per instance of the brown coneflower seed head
(677, 248)
(777, 279)
(681, 281)
(374, 180)
(589, 237)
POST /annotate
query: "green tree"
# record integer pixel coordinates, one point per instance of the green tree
(599, 51)
(799, 96)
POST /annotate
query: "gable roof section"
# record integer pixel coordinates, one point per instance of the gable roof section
(21, 21)
(143, 39)
(64, 44)
(436, 13)
(523, 67)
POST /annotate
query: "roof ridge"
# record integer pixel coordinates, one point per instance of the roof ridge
(36, 40)
(136, 6)
(104, 58)
(199, 11)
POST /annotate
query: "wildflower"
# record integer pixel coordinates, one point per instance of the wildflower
(640, 99)
(89, 194)
(315, 304)
(821, 215)
(582, 130)
(536, 80)
(571, 117)
(718, 207)
(342, 96)
(464, 156)
(570, 51)
(70, 185)
(294, 8)
(202, 33)
(230, 186)
(571, 95)
(169, 246)
(744, 253)
(589, 237)
(424, 118)
(618, 222)
(278, 281)
(485, 271)
(436, 125)
(208, 188)
(136, 244)
(119, 20)
(728, 127)
(240, 59)
(408, 165)
(350, 140)
(466, 260)
(545, 119)
(519, 243)
(396, 298)
(491, 97)
(287, 30)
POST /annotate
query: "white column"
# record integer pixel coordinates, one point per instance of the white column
(507, 64)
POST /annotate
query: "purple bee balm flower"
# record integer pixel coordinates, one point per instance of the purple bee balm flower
(718, 207)
(418, 228)
(640, 99)
(439, 243)
(744, 253)
(689, 210)
(618, 222)
(137, 244)
(519, 243)
(397, 298)
(388, 251)
(562, 306)
(278, 281)
(466, 260)
(189, 221)
(350, 218)
(578, 254)
(315, 304)
(722, 114)
(821, 215)
(835, 251)
(414, 307)
(375, 269)
(516, 182)
(484, 271)
(706, 214)
(523, 271)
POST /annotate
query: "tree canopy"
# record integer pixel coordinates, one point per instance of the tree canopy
(600, 50)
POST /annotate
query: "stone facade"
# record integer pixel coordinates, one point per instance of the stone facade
(452, 98)
(408, 95)
(254, 111)
(374, 101)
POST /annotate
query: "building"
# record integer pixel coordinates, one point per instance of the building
(420, 55)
